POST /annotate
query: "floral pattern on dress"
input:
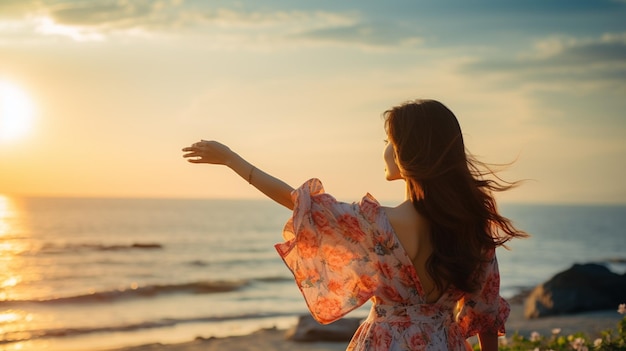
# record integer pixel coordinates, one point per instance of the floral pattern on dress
(342, 255)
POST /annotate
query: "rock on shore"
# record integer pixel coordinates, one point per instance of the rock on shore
(583, 287)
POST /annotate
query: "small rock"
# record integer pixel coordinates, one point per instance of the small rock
(308, 329)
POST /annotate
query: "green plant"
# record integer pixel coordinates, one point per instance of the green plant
(610, 340)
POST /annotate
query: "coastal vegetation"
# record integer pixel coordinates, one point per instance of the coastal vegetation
(608, 340)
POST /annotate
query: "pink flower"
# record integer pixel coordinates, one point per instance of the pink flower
(351, 228)
(503, 341)
(392, 293)
(386, 270)
(579, 344)
(369, 208)
(535, 336)
(418, 342)
(382, 339)
(319, 218)
(325, 200)
(406, 275)
(622, 308)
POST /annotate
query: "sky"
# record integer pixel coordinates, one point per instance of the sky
(98, 97)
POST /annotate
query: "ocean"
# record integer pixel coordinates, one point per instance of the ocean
(95, 274)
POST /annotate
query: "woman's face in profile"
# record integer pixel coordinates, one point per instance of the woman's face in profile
(392, 171)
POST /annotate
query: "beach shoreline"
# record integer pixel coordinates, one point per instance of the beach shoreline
(591, 323)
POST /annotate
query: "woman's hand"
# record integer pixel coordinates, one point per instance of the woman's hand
(211, 152)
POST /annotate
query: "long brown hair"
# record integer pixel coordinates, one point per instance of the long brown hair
(448, 187)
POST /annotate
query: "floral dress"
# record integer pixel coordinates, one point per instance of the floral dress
(343, 255)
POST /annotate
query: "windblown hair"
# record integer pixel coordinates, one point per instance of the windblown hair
(449, 188)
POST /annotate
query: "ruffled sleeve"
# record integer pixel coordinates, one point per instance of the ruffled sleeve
(328, 248)
(485, 310)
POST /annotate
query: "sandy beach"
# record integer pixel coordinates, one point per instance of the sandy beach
(274, 339)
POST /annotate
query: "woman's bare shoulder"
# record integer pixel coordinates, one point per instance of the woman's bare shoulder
(410, 227)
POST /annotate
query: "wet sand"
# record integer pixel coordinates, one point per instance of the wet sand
(274, 339)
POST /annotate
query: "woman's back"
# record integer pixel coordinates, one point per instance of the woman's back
(413, 232)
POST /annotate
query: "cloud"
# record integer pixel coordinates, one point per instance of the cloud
(608, 49)
(577, 85)
(564, 58)
(117, 15)
(224, 26)
(48, 27)
(93, 20)
(16, 8)
(175, 14)
(366, 34)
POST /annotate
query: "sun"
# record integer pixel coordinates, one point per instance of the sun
(16, 112)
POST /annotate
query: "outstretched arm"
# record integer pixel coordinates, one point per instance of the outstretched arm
(213, 152)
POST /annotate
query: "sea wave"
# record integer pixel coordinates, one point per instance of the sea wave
(24, 335)
(275, 279)
(53, 248)
(201, 287)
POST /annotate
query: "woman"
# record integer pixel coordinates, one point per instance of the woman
(429, 264)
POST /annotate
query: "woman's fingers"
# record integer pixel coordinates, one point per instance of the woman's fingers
(196, 160)
(207, 151)
(194, 157)
(195, 147)
(197, 153)
(191, 154)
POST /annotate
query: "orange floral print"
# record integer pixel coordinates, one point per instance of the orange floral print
(350, 227)
(307, 243)
(337, 257)
(307, 277)
(335, 287)
(342, 255)
(328, 306)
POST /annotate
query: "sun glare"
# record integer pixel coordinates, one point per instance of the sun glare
(16, 112)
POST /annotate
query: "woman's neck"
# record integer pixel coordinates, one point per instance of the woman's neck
(407, 193)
